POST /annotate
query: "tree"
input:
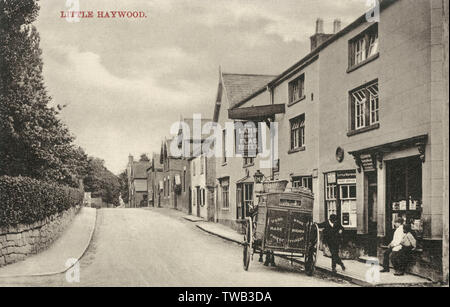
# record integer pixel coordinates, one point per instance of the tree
(144, 158)
(33, 140)
(124, 188)
(101, 182)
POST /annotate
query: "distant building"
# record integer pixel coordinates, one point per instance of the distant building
(155, 180)
(137, 183)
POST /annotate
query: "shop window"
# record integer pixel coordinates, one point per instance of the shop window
(404, 189)
(302, 181)
(340, 197)
(363, 47)
(297, 132)
(297, 89)
(364, 105)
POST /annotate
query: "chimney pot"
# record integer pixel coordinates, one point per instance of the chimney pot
(336, 26)
(319, 25)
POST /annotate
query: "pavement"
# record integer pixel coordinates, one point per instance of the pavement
(72, 243)
(193, 218)
(360, 273)
(158, 247)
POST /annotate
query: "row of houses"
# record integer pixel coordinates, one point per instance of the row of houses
(361, 121)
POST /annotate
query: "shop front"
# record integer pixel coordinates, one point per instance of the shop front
(395, 182)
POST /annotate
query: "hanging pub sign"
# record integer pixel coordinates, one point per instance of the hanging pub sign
(247, 138)
(367, 162)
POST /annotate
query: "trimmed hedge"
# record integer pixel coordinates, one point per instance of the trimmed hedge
(24, 200)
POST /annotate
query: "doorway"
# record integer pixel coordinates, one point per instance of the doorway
(244, 200)
(190, 201)
(198, 199)
(372, 213)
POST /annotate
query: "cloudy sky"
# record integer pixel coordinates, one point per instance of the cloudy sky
(125, 81)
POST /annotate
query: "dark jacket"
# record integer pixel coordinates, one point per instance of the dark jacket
(331, 235)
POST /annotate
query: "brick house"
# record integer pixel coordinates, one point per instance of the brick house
(155, 181)
(137, 182)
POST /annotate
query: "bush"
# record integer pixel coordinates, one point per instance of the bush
(24, 200)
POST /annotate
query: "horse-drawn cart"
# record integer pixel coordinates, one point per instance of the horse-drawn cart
(281, 225)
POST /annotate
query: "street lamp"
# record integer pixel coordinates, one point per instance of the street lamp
(258, 176)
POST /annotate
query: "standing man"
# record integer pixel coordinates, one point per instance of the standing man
(332, 234)
(395, 244)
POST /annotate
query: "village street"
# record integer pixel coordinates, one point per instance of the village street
(157, 247)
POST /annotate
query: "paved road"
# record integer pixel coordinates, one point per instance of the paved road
(138, 247)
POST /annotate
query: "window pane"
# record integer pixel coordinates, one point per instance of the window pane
(373, 44)
(344, 191)
(353, 191)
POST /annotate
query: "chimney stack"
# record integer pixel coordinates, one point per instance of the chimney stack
(319, 25)
(130, 159)
(336, 26)
(319, 37)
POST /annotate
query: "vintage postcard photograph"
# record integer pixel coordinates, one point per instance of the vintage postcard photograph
(225, 149)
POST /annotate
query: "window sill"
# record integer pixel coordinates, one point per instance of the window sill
(248, 165)
(366, 61)
(225, 209)
(291, 151)
(224, 163)
(364, 129)
(296, 101)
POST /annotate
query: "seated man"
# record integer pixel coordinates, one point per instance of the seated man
(395, 244)
(401, 258)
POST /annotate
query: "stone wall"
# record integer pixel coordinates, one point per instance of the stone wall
(18, 242)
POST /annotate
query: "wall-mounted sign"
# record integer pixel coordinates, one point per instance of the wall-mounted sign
(367, 162)
(346, 177)
(331, 177)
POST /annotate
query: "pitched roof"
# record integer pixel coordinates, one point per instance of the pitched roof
(140, 169)
(156, 161)
(240, 86)
(190, 123)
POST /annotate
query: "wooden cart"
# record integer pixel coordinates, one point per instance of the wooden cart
(281, 225)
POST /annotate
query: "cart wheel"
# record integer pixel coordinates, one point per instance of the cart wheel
(313, 249)
(248, 244)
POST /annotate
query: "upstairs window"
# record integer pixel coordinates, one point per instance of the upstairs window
(248, 157)
(302, 181)
(297, 132)
(297, 89)
(364, 106)
(364, 46)
(224, 153)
